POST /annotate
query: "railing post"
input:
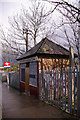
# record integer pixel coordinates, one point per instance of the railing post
(65, 88)
(78, 93)
(74, 90)
(62, 88)
(71, 90)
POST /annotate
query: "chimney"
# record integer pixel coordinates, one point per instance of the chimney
(25, 31)
(26, 40)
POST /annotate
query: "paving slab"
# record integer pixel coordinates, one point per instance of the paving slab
(20, 105)
(0, 99)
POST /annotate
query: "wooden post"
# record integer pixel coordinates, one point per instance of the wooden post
(71, 57)
(71, 76)
(42, 81)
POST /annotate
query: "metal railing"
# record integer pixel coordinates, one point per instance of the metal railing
(62, 88)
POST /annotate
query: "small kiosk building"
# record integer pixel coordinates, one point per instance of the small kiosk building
(45, 56)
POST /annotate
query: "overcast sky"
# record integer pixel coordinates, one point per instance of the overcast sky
(10, 7)
(7, 8)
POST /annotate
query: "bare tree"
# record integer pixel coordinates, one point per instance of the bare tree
(61, 5)
(71, 12)
(28, 23)
(9, 45)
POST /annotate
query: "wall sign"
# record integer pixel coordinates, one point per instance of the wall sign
(6, 64)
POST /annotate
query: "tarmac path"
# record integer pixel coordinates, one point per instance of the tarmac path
(0, 100)
(19, 105)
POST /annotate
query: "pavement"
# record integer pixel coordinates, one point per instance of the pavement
(0, 100)
(20, 105)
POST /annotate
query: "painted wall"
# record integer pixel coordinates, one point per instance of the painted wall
(33, 74)
(22, 77)
(34, 79)
(22, 86)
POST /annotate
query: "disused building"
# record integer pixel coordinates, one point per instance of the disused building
(45, 56)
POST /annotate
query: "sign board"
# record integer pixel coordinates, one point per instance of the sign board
(6, 64)
(33, 74)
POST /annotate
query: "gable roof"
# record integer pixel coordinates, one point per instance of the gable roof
(45, 46)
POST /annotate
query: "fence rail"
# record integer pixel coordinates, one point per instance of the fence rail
(61, 87)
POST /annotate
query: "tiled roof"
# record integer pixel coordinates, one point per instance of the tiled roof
(45, 46)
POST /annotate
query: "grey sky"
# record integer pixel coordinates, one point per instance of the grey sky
(7, 9)
(10, 7)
